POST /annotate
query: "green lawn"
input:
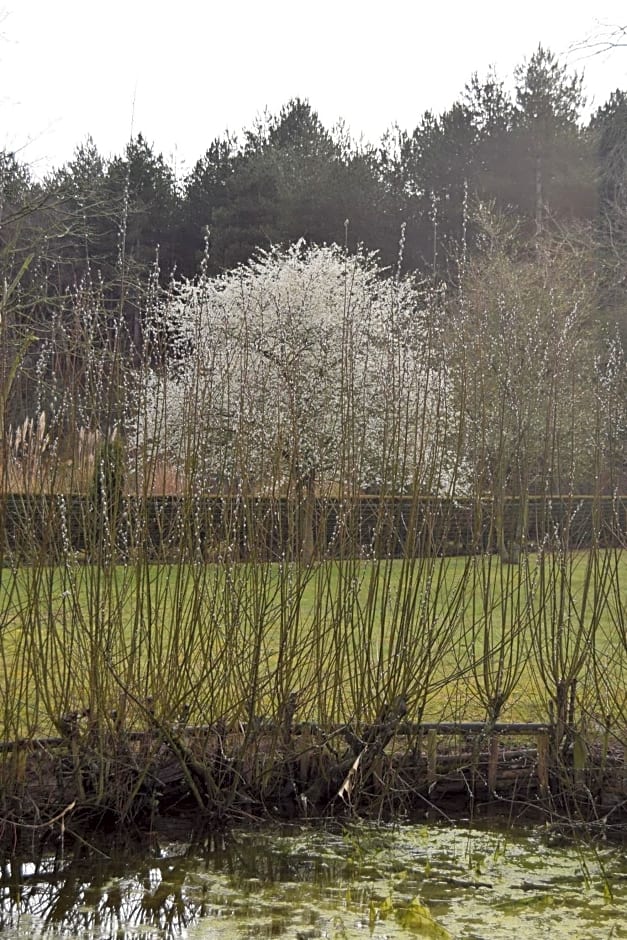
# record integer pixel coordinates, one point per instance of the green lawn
(453, 635)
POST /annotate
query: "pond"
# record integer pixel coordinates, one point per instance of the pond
(373, 881)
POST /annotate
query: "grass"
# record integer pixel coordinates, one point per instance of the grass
(458, 638)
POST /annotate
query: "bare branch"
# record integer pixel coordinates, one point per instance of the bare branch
(606, 38)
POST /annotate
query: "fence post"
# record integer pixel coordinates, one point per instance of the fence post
(432, 756)
(542, 744)
(493, 762)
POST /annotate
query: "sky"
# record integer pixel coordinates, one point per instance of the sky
(182, 72)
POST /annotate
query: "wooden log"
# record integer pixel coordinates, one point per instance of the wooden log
(473, 727)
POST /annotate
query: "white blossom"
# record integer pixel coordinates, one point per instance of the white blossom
(304, 363)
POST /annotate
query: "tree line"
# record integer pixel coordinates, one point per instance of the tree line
(289, 177)
(509, 207)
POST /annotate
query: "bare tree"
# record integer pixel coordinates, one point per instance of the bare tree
(605, 38)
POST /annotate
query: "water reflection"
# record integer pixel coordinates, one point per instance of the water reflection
(307, 883)
(117, 897)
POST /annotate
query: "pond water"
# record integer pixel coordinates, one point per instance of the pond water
(367, 881)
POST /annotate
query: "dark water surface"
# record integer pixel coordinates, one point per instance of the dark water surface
(304, 883)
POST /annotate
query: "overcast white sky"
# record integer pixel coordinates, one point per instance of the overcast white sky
(183, 71)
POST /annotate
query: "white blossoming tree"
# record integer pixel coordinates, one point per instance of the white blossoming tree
(303, 369)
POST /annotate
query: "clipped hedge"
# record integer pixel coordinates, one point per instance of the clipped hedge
(48, 528)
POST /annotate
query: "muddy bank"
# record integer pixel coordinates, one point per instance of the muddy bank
(183, 777)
